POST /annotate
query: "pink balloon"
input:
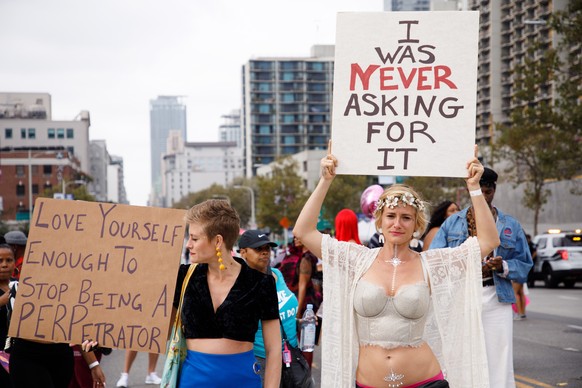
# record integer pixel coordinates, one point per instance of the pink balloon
(369, 198)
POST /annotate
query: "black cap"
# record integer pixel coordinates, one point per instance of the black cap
(254, 239)
(489, 177)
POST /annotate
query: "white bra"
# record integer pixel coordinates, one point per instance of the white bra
(391, 321)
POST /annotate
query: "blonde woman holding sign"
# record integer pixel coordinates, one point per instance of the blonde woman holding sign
(393, 312)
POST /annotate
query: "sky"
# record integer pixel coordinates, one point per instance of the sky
(111, 57)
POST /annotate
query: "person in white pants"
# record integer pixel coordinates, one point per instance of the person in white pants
(151, 378)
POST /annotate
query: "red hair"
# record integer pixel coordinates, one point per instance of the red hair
(346, 226)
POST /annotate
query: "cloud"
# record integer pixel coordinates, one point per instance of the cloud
(112, 57)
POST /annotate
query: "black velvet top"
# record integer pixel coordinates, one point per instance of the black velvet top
(252, 297)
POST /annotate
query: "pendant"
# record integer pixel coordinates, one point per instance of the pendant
(395, 261)
(393, 379)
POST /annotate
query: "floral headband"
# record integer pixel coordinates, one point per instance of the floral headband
(392, 201)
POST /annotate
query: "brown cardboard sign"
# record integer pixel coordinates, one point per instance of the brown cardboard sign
(99, 271)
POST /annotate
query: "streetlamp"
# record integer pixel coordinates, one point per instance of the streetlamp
(253, 223)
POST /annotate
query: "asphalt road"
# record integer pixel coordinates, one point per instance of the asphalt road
(547, 345)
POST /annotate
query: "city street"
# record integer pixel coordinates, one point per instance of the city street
(547, 345)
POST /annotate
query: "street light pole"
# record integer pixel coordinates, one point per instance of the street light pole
(253, 222)
(29, 186)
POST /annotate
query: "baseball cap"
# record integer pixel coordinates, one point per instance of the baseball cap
(254, 239)
(15, 237)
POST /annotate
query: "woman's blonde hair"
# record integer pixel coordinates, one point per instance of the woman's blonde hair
(216, 217)
(402, 195)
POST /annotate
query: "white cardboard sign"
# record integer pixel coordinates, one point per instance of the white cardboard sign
(405, 88)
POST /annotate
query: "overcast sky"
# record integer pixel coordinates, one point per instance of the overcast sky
(111, 57)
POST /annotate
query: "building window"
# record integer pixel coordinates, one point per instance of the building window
(34, 189)
(23, 133)
(47, 169)
(70, 133)
(20, 190)
(8, 133)
(71, 150)
(60, 133)
(19, 171)
(31, 133)
(51, 133)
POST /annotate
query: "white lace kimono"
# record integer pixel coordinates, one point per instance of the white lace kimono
(454, 330)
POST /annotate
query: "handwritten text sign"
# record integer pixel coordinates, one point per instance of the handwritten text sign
(99, 271)
(405, 92)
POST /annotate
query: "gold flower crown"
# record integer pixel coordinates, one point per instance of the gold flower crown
(404, 199)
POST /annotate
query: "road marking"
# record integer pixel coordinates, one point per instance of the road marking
(568, 297)
(571, 349)
(575, 327)
(536, 383)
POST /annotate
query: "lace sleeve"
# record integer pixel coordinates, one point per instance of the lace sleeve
(342, 255)
(455, 277)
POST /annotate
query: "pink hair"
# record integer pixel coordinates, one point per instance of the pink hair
(346, 226)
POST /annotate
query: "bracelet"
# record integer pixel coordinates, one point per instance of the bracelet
(93, 364)
(475, 193)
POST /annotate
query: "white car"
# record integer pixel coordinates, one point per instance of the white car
(559, 258)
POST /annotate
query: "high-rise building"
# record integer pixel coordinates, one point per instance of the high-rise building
(507, 29)
(230, 130)
(99, 160)
(286, 106)
(191, 167)
(166, 113)
(116, 187)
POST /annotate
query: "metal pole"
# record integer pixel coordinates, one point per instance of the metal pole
(29, 186)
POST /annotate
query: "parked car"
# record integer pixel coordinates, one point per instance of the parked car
(559, 258)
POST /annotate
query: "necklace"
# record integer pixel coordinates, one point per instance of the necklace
(395, 261)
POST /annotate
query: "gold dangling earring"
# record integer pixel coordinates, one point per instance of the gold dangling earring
(219, 255)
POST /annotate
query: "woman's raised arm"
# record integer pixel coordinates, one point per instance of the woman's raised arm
(306, 226)
(484, 221)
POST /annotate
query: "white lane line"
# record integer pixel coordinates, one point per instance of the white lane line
(568, 297)
(575, 327)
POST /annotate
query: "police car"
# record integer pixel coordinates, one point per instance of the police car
(559, 258)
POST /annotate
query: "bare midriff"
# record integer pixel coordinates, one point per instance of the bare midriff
(412, 364)
(218, 345)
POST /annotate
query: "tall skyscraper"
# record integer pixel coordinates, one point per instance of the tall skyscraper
(166, 113)
(286, 106)
(507, 29)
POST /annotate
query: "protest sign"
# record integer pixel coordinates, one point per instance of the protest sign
(404, 98)
(99, 271)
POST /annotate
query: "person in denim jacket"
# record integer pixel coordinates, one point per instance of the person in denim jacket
(510, 261)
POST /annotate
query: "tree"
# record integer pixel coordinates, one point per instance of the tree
(282, 194)
(345, 193)
(435, 190)
(238, 199)
(80, 193)
(542, 141)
